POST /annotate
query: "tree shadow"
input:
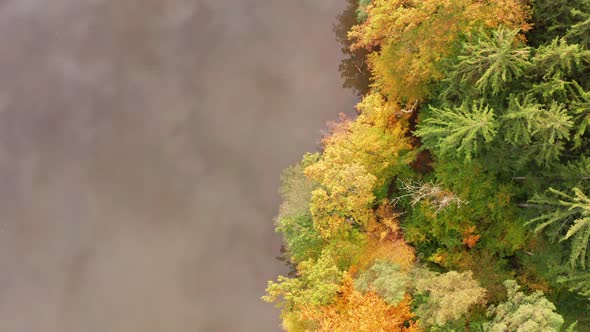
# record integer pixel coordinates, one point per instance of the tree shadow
(353, 68)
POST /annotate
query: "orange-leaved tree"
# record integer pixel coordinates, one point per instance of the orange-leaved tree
(355, 311)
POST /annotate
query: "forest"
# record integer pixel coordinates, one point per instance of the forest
(458, 197)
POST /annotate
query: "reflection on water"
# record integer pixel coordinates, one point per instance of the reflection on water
(353, 67)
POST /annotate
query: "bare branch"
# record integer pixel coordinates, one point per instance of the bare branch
(431, 193)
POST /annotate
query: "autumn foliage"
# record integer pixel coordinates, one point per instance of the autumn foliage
(465, 168)
(354, 311)
(414, 36)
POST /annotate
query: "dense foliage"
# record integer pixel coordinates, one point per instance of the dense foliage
(458, 199)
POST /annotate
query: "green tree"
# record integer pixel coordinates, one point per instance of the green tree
(523, 313)
(301, 238)
(555, 18)
(578, 281)
(294, 221)
(386, 279)
(491, 62)
(571, 212)
(460, 131)
(317, 284)
(559, 58)
(581, 111)
(538, 131)
(361, 12)
(579, 31)
(450, 295)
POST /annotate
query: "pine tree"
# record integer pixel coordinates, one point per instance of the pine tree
(578, 281)
(491, 62)
(581, 111)
(580, 31)
(555, 18)
(540, 131)
(462, 130)
(559, 58)
(571, 212)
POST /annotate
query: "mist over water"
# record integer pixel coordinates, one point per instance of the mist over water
(141, 143)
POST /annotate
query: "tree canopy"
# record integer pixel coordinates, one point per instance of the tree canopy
(458, 197)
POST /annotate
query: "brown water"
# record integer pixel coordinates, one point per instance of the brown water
(140, 147)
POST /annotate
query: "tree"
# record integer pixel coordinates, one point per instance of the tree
(294, 221)
(353, 68)
(571, 211)
(450, 295)
(581, 110)
(376, 139)
(347, 196)
(460, 131)
(359, 158)
(539, 131)
(559, 58)
(523, 313)
(301, 238)
(386, 279)
(296, 189)
(361, 11)
(579, 31)
(431, 194)
(578, 281)
(492, 61)
(361, 312)
(317, 284)
(414, 36)
(555, 18)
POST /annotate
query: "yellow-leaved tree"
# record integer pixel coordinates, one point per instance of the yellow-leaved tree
(359, 156)
(415, 35)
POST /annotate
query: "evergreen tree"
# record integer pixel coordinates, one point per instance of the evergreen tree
(560, 59)
(540, 131)
(491, 62)
(578, 281)
(571, 212)
(469, 114)
(460, 131)
(555, 18)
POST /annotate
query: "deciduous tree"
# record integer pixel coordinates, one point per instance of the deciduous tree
(415, 36)
(449, 296)
(523, 313)
(386, 279)
(355, 311)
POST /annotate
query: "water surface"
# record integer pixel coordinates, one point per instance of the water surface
(140, 147)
